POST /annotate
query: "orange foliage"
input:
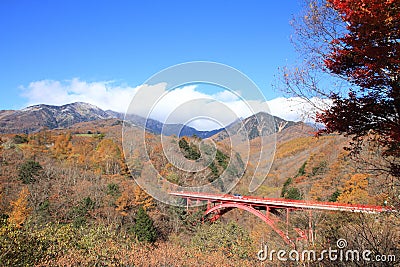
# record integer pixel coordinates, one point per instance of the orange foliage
(62, 145)
(82, 150)
(294, 146)
(355, 190)
(20, 210)
(132, 197)
(124, 203)
(108, 157)
(143, 199)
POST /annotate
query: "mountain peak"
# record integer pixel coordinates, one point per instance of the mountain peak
(259, 124)
(82, 104)
(74, 104)
(37, 117)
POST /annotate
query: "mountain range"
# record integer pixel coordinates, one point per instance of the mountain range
(39, 117)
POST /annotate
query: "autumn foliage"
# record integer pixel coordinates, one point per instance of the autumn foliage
(368, 56)
(20, 209)
(369, 53)
(82, 208)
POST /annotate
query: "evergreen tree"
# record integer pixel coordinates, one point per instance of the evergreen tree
(144, 229)
(28, 171)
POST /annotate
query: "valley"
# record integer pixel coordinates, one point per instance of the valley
(68, 189)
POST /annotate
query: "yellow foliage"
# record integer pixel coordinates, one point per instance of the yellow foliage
(294, 146)
(82, 150)
(20, 210)
(124, 203)
(355, 190)
(108, 157)
(143, 199)
(108, 149)
(1, 198)
(133, 197)
(62, 145)
(297, 145)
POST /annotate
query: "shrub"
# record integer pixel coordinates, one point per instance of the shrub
(230, 239)
(29, 171)
(293, 193)
(19, 139)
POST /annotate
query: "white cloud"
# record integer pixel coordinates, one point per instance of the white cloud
(182, 105)
(226, 96)
(104, 94)
(297, 109)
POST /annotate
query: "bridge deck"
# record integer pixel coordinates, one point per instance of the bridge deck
(280, 203)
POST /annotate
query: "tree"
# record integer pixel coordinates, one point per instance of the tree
(126, 200)
(81, 211)
(124, 203)
(288, 190)
(108, 156)
(113, 190)
(20, 139)
(369, 53)
(189, 150)
(144, 229)
(355, 190)
(368, 56)
(20, 210)
(314, 29)
(142, 199)
(82, 150)
(28, 171)
(293, 193)
(334, 196)
(351, 44)
(62, 145)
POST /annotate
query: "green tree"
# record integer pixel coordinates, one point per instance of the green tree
(113, 190)
(293, 193)
(222, 159)
(286, 186)
(20, 139)
(190, 150)
(29, 171)
(81, 211)
(334, 196)
(302, 170)
(144, 229)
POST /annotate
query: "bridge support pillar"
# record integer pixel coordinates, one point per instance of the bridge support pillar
(310, 229)
(287, 222)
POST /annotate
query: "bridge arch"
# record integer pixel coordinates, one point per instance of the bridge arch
(220, 207)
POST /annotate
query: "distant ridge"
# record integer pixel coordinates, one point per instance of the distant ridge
(39, 117)
(158, 127)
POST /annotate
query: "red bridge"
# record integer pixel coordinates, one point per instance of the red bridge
(217, 205)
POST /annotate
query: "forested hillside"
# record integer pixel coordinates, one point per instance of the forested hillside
(67, 199)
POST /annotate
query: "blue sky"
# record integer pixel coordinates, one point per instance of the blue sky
(128, 41)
